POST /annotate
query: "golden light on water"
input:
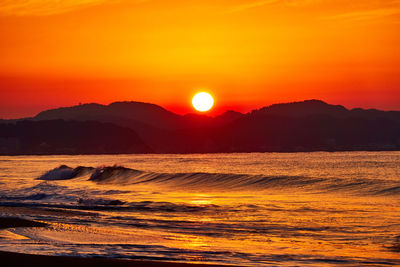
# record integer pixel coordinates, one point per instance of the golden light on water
(197, 212)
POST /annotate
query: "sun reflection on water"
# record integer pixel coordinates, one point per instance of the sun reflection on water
(319, 220)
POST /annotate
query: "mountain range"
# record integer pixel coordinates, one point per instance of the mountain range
(136, 127)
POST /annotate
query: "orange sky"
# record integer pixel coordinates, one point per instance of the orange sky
(247, 53)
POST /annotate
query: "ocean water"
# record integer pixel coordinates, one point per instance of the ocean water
(247, 209)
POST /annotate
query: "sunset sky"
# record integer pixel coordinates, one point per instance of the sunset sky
(248, 54)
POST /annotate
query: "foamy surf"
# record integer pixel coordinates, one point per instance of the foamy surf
(252, 210)
(119, 175)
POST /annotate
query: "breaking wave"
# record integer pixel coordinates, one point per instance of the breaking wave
(64, 173)
(119, 175)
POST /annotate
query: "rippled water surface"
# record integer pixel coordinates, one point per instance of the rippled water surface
(246, 209)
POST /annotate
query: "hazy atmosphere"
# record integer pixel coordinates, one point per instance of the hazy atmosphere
(199, 133)
(248, 53)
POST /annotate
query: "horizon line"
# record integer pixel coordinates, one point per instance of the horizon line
(194, 112)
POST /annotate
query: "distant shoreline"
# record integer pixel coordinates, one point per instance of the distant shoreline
(202, 153)
(143, 128)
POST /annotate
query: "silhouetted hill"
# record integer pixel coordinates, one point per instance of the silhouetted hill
(154, 124)
(146, 113)
(302, 109)
(72, 137)
(151, 122)
(136, 113)
(300, 126)
(311, 133)
(317, 107)
(228, 116)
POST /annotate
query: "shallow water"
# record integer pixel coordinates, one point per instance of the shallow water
(249, 209)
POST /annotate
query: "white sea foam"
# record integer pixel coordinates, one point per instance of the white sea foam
(246, 209)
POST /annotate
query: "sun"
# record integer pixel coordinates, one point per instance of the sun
(202, 101)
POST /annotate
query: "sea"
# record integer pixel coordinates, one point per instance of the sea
(249, 209)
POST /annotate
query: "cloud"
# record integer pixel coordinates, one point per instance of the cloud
(243, 7)
(356, 10)
(45, 7)
(366, 14)
(363, 10)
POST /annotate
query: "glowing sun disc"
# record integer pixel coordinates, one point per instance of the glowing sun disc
(202, 101)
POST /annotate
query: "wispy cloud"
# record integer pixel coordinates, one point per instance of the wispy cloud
(243, 7)
(356, 10)
(368, 11)
(45, 7)
(366, 14)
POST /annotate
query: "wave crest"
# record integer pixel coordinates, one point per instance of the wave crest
(65, 172)
(119, 175)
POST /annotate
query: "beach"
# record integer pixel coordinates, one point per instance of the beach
(254, 209)
(20, 259)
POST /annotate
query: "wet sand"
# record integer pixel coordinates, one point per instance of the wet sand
(11, 222)
(18, 259)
